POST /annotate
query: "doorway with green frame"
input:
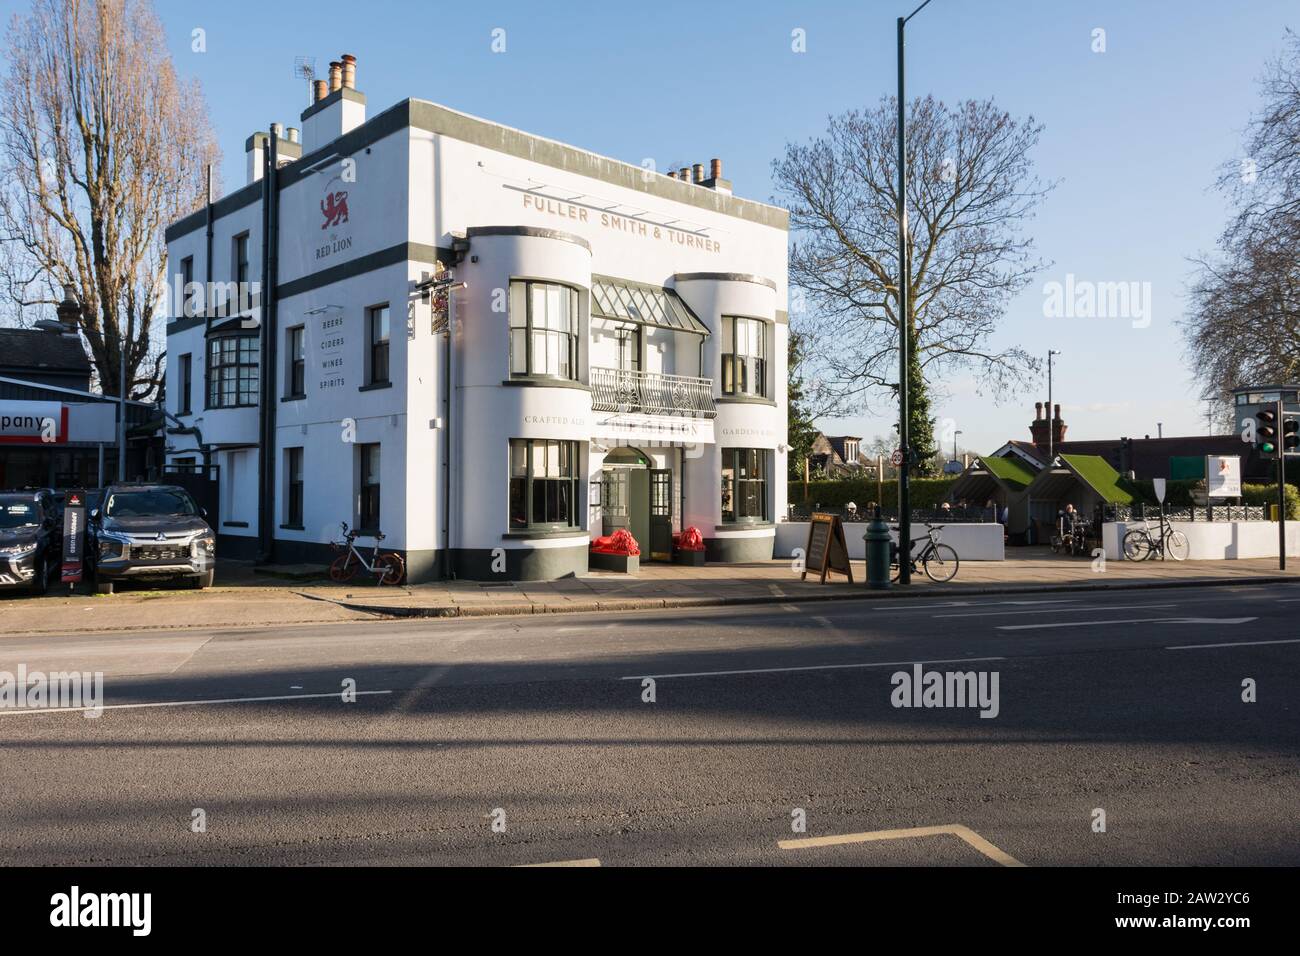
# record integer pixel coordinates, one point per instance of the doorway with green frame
(637, 496)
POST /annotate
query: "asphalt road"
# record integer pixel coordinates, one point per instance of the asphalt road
(1126, 702)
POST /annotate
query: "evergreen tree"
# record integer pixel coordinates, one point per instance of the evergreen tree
(920, 424)
(801, 431)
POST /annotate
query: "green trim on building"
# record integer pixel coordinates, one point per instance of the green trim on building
(439, 120)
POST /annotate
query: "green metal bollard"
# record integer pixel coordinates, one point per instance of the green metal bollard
(878, 541)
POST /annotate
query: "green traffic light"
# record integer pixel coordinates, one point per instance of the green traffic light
(1267, 446)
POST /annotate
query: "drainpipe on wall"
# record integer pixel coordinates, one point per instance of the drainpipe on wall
(447, 571)
(266, 434)
(207, 285)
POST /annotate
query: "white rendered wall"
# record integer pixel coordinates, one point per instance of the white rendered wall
(972, 542)
(489, 413)
(1213, 540)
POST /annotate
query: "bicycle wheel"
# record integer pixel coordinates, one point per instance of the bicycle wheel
(1176, 545)
(940, 564)
(392, 566)
(1137, 546)
(344, 568)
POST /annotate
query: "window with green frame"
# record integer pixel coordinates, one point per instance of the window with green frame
(744, 485)
(543, 329)
(543, 484)
(233, 362)
(744, 356)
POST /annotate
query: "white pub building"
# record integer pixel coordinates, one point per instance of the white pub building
(490, 346)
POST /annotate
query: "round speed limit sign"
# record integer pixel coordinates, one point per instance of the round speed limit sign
(896, 458)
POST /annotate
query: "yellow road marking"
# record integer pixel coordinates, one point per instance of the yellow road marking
(948, 829)
(589, 862)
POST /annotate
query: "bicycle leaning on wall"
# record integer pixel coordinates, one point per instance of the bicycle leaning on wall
(1142, 543)
(939, 560)
(388, 568)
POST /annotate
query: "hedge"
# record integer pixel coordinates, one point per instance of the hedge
(926, 492)
(932, 492)
(1267, 495)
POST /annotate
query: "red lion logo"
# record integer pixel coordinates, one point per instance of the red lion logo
(336, 210)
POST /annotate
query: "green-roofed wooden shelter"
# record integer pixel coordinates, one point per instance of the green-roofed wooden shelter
(1084, 481)
(1002, 481)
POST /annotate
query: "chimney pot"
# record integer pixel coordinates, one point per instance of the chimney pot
(1038, 411)
(336, 75)
(349, 71)
(322, 90)
(1057, 411)
(672, 174)
(292, 133)
(277, 130)
(715, 169)
(684, 174)
(698, 171)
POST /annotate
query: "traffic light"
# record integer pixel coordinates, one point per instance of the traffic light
(1266, 426)
(1290, 434)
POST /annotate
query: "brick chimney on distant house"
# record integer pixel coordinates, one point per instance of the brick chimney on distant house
(1038, 429)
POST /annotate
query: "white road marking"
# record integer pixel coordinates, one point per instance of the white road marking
(790, 607)
(944, 605)
(592, 861)
(949, 829)
(812, 667)
(1053, 610)
(183, 703)
(1130, 620)
(1197, 647)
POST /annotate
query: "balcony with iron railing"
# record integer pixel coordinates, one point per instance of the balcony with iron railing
(651, 393)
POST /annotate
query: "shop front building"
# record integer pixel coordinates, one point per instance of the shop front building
(490, 346)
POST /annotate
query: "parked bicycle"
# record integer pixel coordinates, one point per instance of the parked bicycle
(1071, 535)
(939, 560)
(388, 568)
(1141, 543)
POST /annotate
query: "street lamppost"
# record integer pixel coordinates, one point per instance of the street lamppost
(1051, 416)
(954, 443)
(904, 324)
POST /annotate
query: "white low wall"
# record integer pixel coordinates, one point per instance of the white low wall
(972, 542)
(1213, 540)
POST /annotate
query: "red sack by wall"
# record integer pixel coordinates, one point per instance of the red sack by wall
(620, 542)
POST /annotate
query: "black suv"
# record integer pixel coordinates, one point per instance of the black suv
(30, 540)
(149, 532)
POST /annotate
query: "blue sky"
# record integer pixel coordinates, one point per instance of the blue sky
(1135, 134)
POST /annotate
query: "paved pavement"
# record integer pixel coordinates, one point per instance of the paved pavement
(1127, 702)
(248, 598)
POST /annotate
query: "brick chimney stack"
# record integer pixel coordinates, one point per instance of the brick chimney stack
(1038, 429)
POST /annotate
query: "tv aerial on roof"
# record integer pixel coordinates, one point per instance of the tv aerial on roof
(304, 67)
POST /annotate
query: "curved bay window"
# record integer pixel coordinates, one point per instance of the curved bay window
(543, 484)
(744, 485)
(233, 371)
(543, 330)
(744, 357)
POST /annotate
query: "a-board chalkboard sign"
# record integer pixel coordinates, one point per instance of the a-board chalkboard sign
(827, 549)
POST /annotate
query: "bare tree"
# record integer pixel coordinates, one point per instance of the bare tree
(101, 146)
(1243, 322)
(971, 187)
